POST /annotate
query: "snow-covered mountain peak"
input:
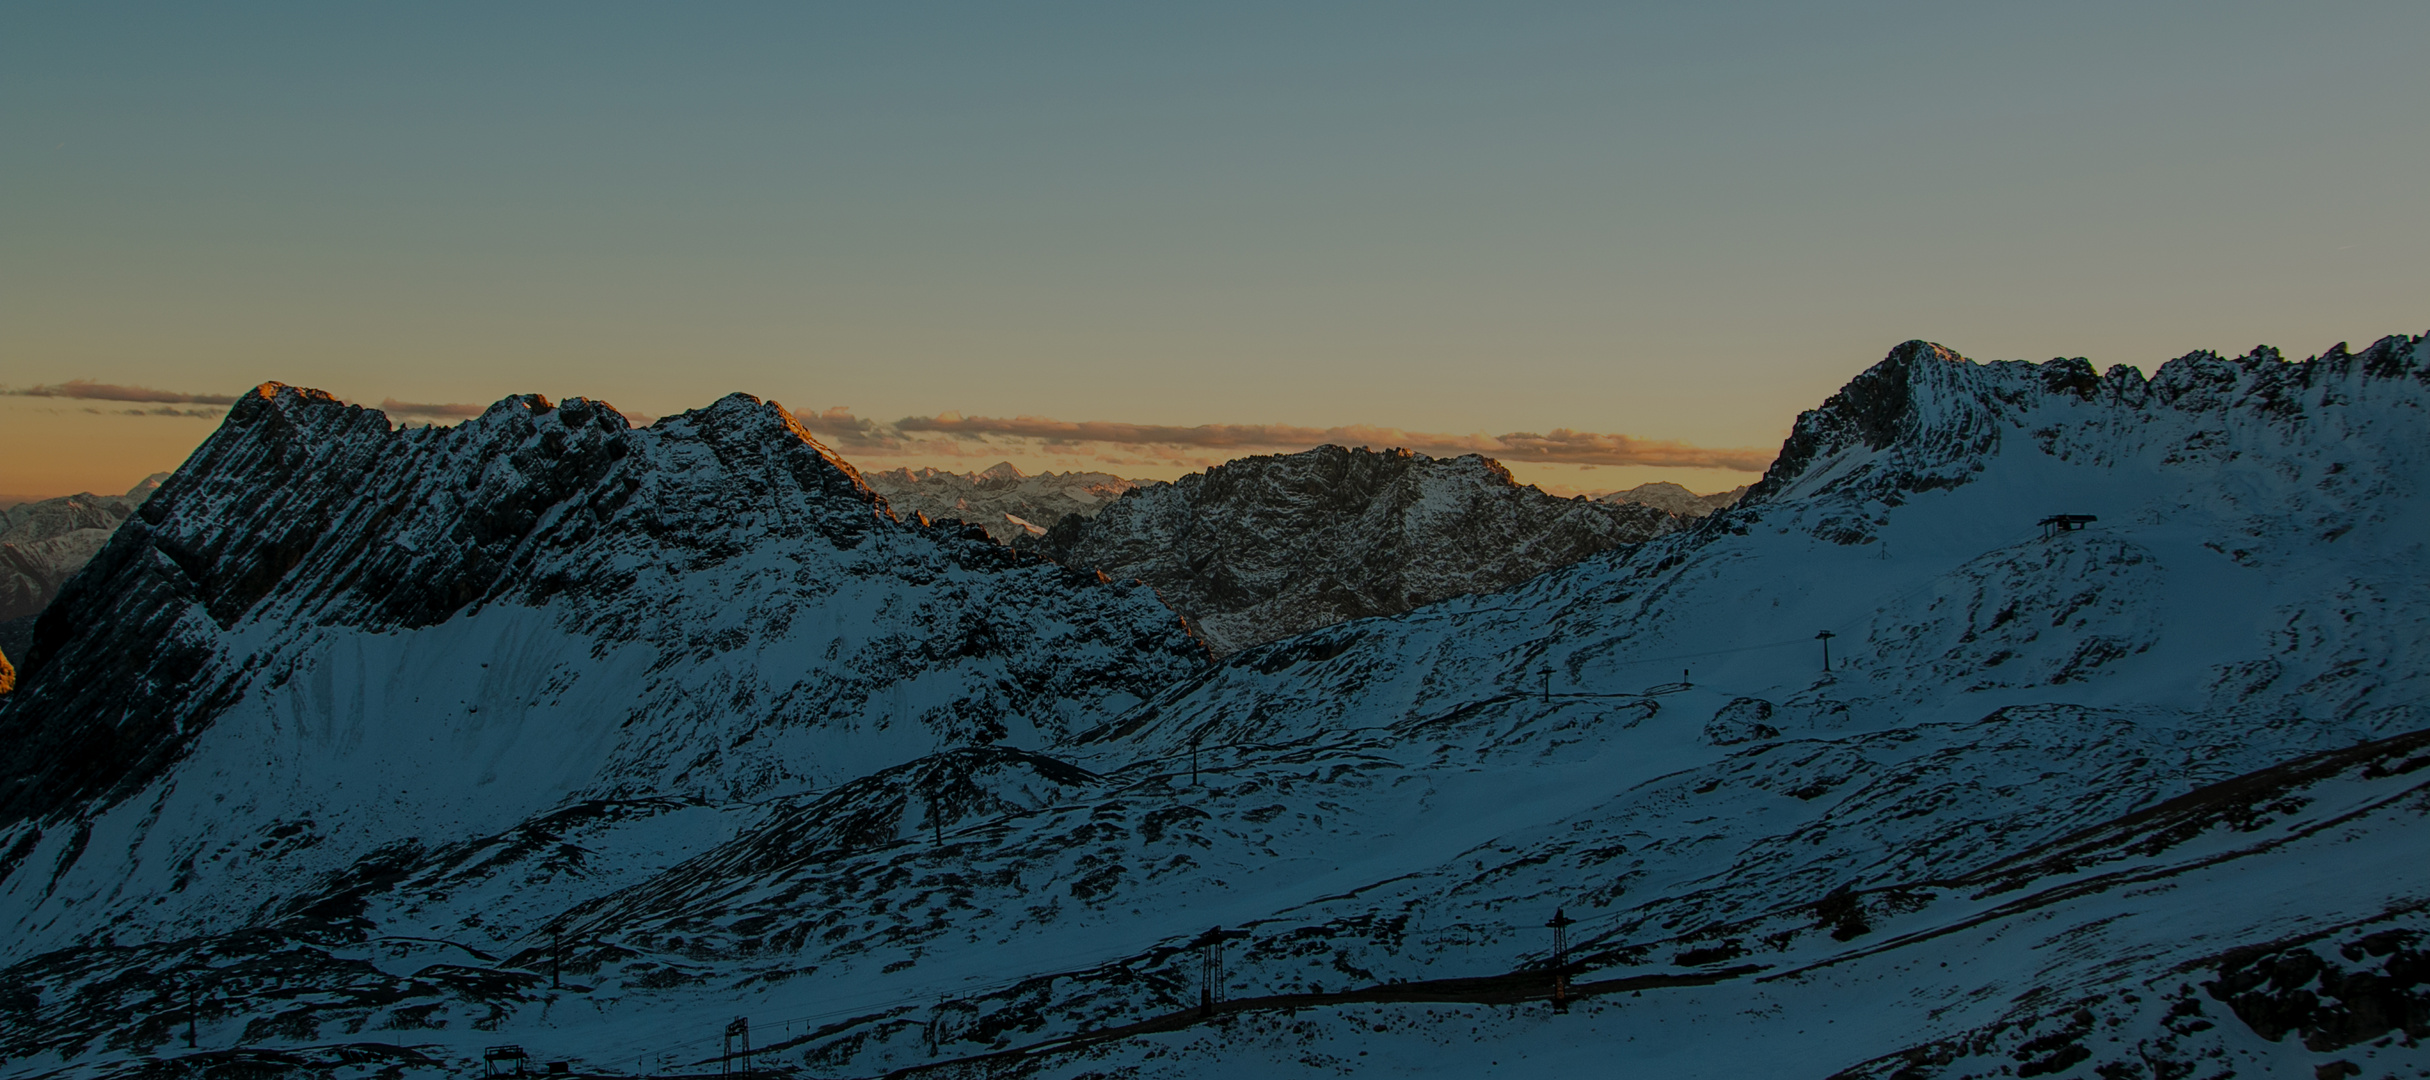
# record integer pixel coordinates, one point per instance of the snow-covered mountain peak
(1926, 418)
(1925, 409)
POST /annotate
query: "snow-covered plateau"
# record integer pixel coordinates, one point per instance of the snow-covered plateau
(360, 751)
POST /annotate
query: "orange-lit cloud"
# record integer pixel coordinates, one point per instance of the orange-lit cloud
(166, 402)
(955, 435)
(88, 390)
(162, 402)
(949, 436)
(417, 410)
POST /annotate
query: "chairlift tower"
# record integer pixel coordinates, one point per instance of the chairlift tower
(496, 1061)
(1210, 967)
(1825, 637)
(738, 1043)
(1560, 924)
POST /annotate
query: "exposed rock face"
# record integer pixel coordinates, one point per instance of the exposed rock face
(1672, 499)
(1261, 548)
(1013, 507)
(1742, 720)
(2332, 994)
(42, 544)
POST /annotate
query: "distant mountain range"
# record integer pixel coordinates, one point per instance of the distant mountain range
(44, 543)
(1001, 499)
(1672, 499)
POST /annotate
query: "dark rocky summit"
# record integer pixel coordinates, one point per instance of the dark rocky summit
(1261, 548)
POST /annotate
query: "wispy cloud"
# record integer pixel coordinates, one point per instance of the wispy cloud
(955, 435)
(950, 436)
(88, 390)
(434, 411)
(167, 402)
(161, 410)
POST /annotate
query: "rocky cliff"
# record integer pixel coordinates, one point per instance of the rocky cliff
(1012, 506)
(1261, 548)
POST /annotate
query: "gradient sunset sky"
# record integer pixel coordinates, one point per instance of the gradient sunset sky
(1660, 228)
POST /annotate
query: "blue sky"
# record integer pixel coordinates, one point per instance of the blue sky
(1670, 221)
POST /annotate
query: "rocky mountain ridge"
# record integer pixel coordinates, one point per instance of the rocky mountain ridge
(1260, 548)
(2142, 799)
(711, 608)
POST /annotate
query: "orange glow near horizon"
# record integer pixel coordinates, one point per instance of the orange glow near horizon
(54, 446)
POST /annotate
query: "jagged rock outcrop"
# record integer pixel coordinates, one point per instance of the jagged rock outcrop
(1260, 548)
(1014, 507)
(1673, 499)
(1742, 720)
(44, 543)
